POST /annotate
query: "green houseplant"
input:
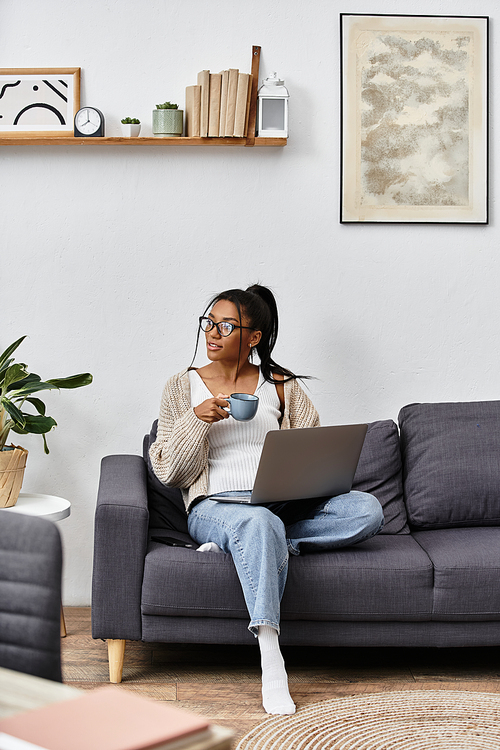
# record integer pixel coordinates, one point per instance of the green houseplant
(17, 387)
(168, 120)
(131, 127)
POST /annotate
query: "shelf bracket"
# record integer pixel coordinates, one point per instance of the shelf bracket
(252, 116)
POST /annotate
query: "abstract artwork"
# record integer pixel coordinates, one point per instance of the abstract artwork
(414, 97)
(38, 101)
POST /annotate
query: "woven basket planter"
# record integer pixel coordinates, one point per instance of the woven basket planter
(12, 465)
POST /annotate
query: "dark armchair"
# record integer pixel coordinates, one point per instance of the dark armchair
(30, 595)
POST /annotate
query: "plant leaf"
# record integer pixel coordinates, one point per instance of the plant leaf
(32, 378)
(10, 349)
(14, 412)
(6, 364)
(45, 446)
(38, 404)
(73, 381)
(14, 374)
(19, 430)
(38, 425)
(24, 388)
(31, 384)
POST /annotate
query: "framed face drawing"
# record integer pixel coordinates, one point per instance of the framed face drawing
(414, 131)
(38, 101)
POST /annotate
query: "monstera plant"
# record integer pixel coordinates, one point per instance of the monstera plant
(17, 386)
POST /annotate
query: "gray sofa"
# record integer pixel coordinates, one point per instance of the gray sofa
(430, 578)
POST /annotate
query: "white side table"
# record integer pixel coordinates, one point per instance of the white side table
(51, 507)
(45, 506)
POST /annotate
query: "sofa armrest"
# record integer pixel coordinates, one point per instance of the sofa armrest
(120, 542)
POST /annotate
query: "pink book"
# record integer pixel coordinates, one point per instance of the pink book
(108, 718)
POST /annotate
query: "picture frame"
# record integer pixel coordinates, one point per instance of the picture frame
(414, 119)
(38, 101)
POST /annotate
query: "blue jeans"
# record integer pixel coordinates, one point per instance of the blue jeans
(259, 542)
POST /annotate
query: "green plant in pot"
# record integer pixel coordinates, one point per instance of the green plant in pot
(168, 120)
(17, 387)
(131, 127)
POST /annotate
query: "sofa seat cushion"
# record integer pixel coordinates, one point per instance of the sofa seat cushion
(451, 464)
(379, 472)
(466, 572)
(182, 582)
(385, 578)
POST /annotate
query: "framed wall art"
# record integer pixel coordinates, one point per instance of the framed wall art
(414, 128)
(36, 101)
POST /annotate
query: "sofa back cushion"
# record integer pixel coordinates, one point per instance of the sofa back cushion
(379, 472)
(451, 460)
(166, 506)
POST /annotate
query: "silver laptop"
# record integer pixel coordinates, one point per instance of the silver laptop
(305, 463)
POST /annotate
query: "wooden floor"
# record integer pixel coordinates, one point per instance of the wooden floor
(223, 682)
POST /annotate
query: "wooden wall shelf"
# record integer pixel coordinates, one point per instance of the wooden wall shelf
(35, 139)
(71, 141)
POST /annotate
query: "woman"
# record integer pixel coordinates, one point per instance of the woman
(208, 455)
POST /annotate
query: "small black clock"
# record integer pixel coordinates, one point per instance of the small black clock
(89, 123)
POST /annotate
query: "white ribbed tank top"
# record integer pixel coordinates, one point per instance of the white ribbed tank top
(235, 447)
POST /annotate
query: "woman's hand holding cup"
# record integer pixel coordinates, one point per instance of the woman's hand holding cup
(241, 406)
(213, 409)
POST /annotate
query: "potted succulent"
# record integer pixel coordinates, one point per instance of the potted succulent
(167, 120)
(17, 387)
(131, 127)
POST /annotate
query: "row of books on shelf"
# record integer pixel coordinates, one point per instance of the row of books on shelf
(218, 105)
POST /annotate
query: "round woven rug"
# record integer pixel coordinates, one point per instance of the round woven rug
(408, 720)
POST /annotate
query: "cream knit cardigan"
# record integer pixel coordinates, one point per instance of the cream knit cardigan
(179, 455)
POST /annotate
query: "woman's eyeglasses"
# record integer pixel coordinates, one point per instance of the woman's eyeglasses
(224, 327)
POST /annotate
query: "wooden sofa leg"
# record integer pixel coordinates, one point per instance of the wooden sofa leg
(63, 624)
(116, 653)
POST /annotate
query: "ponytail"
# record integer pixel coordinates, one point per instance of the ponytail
(265, 347)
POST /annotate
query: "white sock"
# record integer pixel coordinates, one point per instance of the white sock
(209, 547)
(276, 698)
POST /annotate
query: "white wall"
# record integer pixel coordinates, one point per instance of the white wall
(108, 254)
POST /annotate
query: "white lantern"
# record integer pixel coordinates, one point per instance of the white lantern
(272, 108)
